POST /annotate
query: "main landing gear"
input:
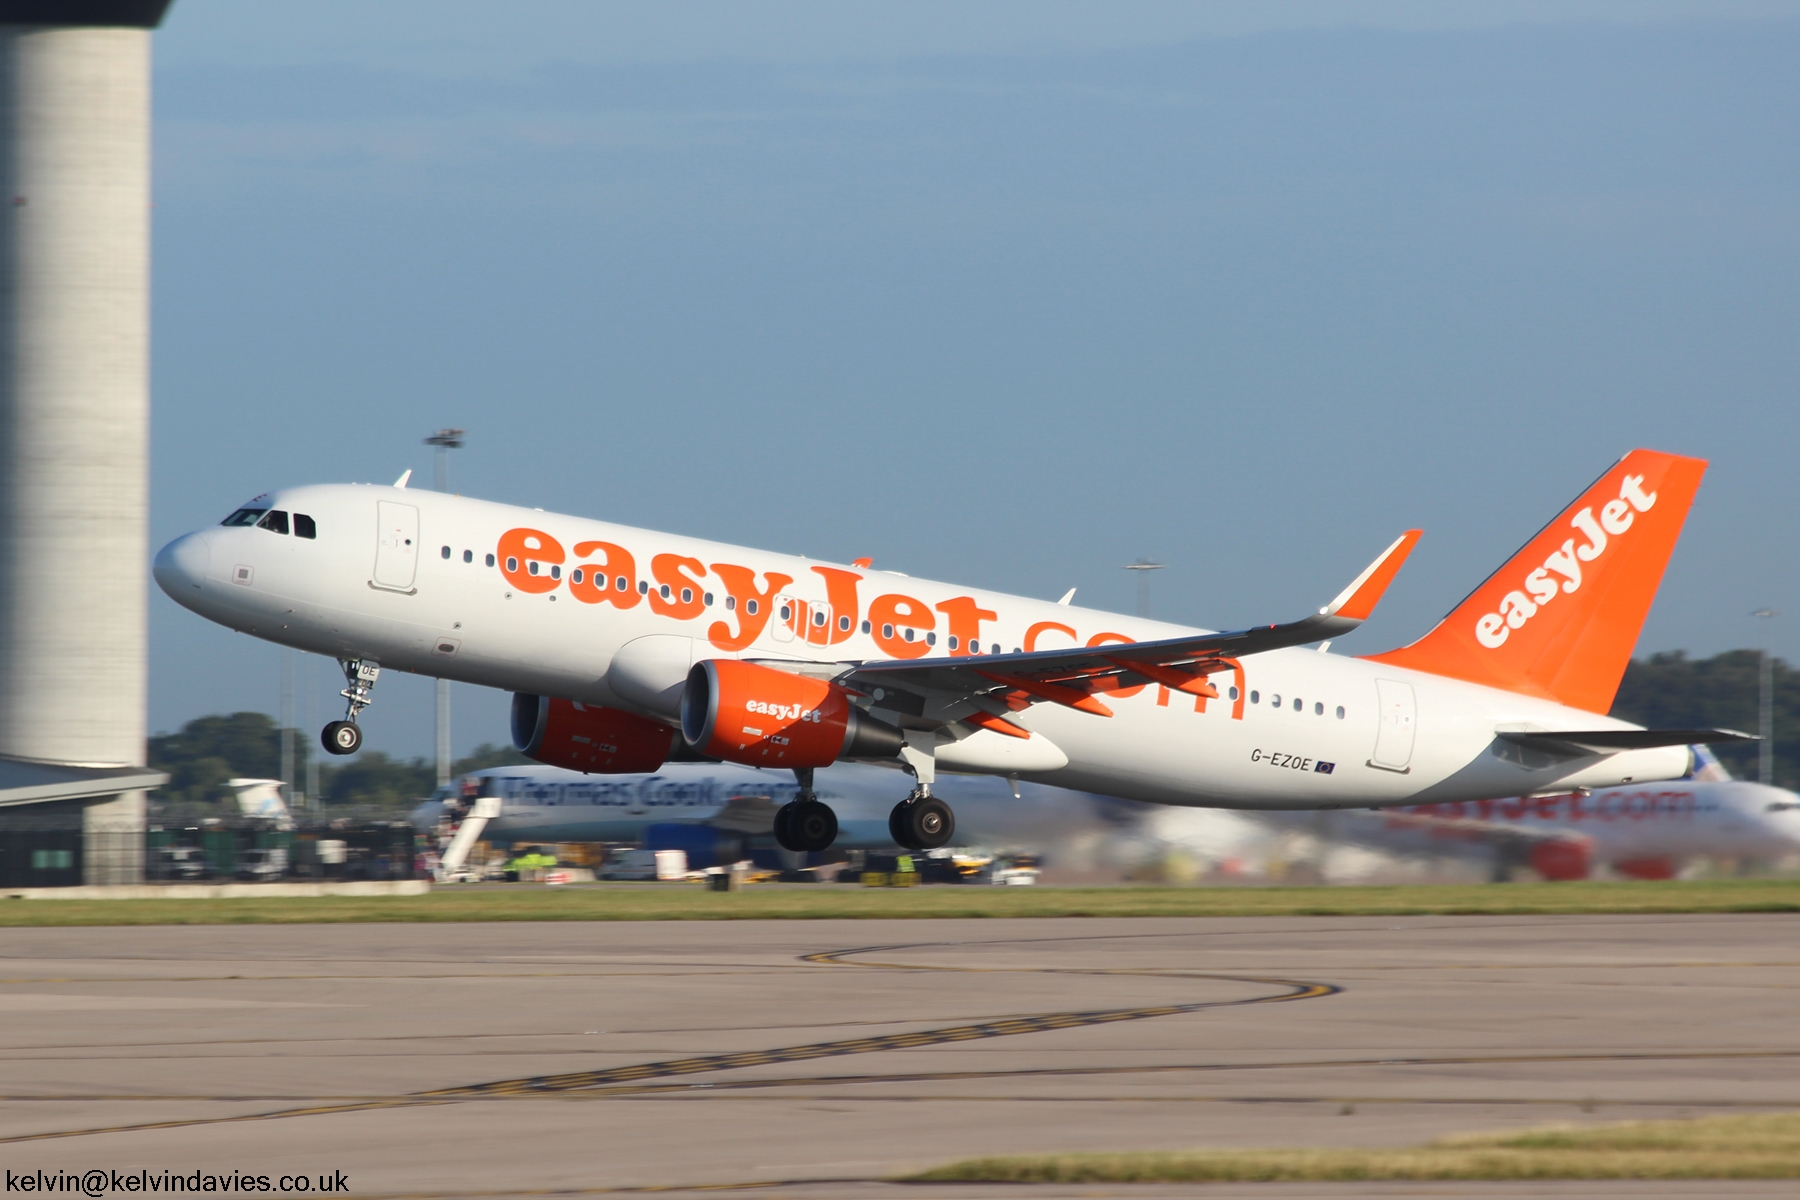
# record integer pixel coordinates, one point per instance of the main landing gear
(806, 823)
(345, 737)
(921, 821)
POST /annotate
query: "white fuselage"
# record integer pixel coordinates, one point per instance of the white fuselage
(419, 582)
(1675, 820)
(552, 804)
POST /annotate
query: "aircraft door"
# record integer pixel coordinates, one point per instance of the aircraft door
(396, 546)
(818, 624)
(1398, 724)
(781, 625)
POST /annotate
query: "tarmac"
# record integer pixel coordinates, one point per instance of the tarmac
(822, 1058)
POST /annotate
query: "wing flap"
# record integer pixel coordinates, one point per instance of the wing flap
(1568, 743)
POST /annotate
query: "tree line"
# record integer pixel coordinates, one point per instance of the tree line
(1664, 691)
(210, 750)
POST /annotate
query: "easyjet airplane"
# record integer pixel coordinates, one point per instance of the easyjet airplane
(626, 648)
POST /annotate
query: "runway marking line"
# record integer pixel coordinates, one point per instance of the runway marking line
(584, 1080)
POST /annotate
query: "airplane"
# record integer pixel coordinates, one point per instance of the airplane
(626, 649)
(709, 809)
(1641, 832)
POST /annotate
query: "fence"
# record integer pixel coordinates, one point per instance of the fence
(53, 850)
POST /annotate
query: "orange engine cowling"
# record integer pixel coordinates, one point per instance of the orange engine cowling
(747, 713)
(587, 737)
(1562, 859)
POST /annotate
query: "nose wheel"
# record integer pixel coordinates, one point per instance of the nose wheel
(922, 822)
(341, 737)
(345, 736)
(805, 824)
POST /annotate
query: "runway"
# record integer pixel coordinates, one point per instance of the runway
(823, 1056)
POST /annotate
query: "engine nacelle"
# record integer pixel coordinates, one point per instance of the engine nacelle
(746, 713)
(1561, 859)
(588, 737)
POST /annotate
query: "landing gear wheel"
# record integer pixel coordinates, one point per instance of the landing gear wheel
(805, 826)
(341, 737)
(813, 825)
(922, 824)
(897, 825)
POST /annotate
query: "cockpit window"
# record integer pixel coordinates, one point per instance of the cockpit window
(304, 527)
(275, 521)
(244, 516)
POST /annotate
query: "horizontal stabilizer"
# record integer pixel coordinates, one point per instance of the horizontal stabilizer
(1611, 741)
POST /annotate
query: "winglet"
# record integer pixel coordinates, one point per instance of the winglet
(1357, 601)
(401, 482)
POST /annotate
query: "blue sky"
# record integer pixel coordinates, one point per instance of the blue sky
(1005, 294)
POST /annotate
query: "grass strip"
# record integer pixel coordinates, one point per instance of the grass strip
(1732, 1147)
(687, 902)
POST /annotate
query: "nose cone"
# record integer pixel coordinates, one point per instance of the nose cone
(181, 567)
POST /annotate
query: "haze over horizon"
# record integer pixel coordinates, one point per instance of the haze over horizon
(1006, 294)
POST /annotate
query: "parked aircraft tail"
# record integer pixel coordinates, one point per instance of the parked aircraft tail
(1561, 618)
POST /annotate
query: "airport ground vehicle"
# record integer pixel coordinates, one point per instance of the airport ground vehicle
(625, 649)
(262, 863)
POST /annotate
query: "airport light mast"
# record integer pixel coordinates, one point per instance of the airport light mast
(445, 440)
(1765, 709)
(1143, 567)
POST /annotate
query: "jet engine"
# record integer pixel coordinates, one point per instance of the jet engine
(588, 737)
(747, 713)
(1562, 858)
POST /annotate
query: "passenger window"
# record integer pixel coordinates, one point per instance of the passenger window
(468, 555)
(575, 575)
(931, 639)
(1256, 697)
(1274, 699)
(244, 516)
(445, 553)
(1234, 693)
(274, 522)
(304, 527)
(490, 560)
(953, 641)
(844, 624)
(1318, 710)
(1298, 705)
(1340, 712)
(865, 627)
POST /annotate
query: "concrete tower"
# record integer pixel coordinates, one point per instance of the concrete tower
(75, 391)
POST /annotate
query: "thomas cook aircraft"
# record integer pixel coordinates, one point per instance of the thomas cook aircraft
(626, 648)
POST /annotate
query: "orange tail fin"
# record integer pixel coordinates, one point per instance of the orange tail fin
(1561, 618)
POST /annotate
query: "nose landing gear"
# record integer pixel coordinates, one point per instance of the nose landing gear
(805, 823)
(345, 737)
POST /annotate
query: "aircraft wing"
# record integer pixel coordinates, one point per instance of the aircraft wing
(1576, 743)
(745, 814)
(1072, 676)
